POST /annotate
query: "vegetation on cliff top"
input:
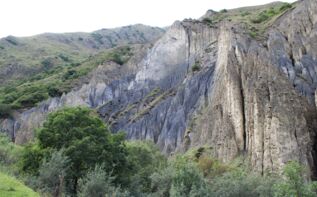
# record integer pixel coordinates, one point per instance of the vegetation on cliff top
(255, 19)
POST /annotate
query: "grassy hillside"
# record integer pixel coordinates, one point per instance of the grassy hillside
(55, 81)
(11, 187)
(255, 19)
(21, 58)
(35, 68)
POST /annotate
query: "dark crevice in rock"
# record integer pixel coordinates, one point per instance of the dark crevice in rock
(244, 121)
(187, 30)
(292, 59)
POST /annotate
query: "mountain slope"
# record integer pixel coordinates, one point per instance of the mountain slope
(33, 68)
(236, 83)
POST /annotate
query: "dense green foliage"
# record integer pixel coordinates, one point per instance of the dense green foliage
(294, 183)
(52, 174)
(98, 183)
(144, 158)
(5, 110)
(85, 140)
(54, 80)
(196, 66)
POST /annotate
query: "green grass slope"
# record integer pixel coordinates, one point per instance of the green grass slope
(11, 187)
(255, 19)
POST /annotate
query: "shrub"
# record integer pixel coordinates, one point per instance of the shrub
(240, 182)
(263, 16)
(188, 180)
(207, 21)
(98, 183)
(47, 63)
(70, 74)
(294, 183)
(285, 6)
(245, 13)
(52, 174)
(144, 158)
(9, 152)
(30, 99)
(180, 178)
(223, 11)
(5, 110)
(64, 57)
(196, 66)
(54, 91)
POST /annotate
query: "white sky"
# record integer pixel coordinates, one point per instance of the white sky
(29, 17)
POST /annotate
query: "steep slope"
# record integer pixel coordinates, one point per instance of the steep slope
(22, 57)
(33, 68)
(227, 82)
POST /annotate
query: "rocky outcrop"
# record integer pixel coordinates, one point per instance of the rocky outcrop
(213, 86)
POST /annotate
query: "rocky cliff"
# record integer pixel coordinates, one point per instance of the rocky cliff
(212, 83)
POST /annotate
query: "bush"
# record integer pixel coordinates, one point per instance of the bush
(285, 6)
(294, 183)
(196, 66)
(245, 13)
(9, 152)
(240, 182)
(144, 158)
(180, 178)
(98, 183)
(263, 16)
(70, 74)
(52, 174)
(29, 100)
(188, 181)
(54, 91)
(207, 21)
(5, 110)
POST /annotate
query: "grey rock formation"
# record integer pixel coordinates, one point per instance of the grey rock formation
(244, 96)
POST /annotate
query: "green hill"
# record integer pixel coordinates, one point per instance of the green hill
(11, 187)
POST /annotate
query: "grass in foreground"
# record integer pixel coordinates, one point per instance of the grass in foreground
(11, 187)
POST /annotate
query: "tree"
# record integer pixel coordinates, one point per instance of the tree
(86, 141)
(144, 158)
(52, 174)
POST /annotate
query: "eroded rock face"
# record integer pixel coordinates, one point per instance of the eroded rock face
(244, 96)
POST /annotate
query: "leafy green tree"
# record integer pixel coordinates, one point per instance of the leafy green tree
(144, 158)
(86, 141)
(52, 174)
(187, 179)
(294, 183)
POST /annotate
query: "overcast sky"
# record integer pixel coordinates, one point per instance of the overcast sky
(29, 17)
